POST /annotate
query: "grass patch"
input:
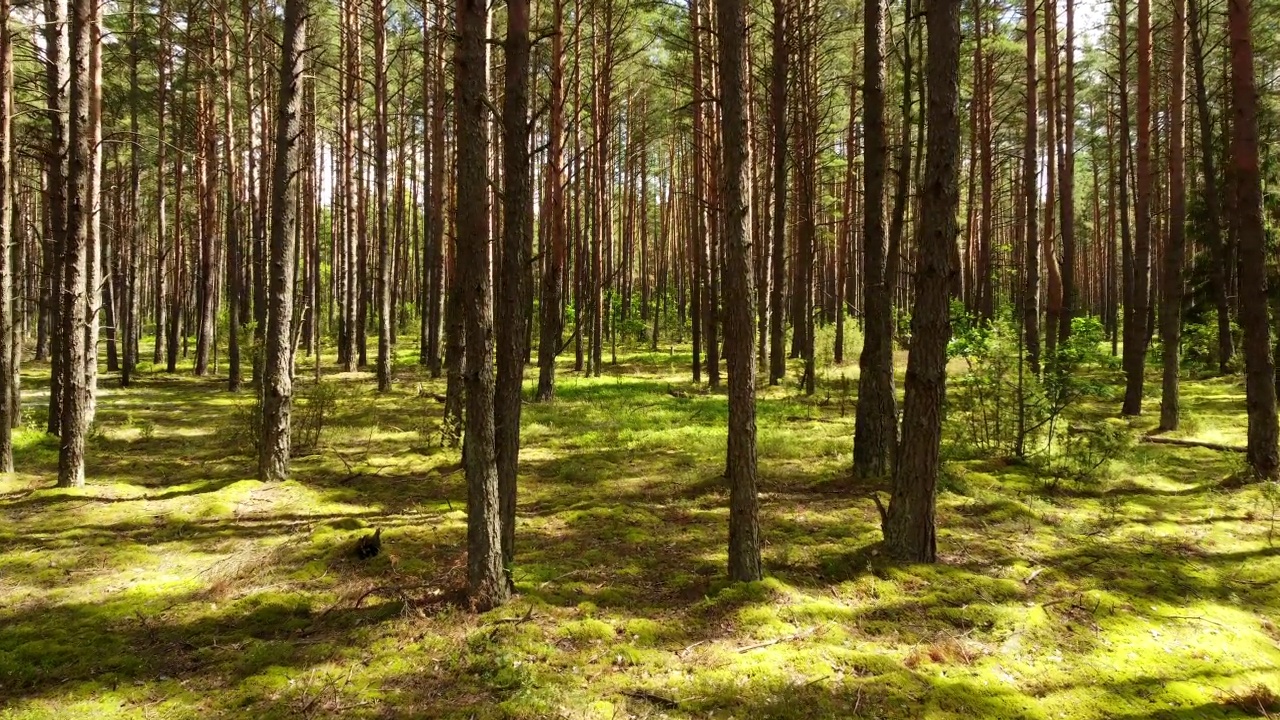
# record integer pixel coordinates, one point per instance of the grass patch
(177, 585)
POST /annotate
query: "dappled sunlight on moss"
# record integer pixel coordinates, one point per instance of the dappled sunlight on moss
(175, 585)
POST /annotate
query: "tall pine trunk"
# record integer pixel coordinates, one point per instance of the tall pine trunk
(1171, 301)
(517, 206)
(277, 376)
(82, 14)
(778, 244)
(9, 408)
(740, 325)
(1218, 270)
(1260, 394)
(485, 577)
(1135, 341)
(550, 330)
(875, 426)
(910, 530)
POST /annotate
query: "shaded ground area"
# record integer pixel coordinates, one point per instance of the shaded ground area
(176, 586)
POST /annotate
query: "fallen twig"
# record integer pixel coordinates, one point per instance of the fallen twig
(654, 698)
(785, 638)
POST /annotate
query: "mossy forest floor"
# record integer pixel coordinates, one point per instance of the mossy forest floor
(177, 586)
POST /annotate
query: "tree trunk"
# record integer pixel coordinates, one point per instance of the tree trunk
(517, 206)
(875, 425)
(910, 532)
(1260, 392)
(380, 151)
(234, 203)
(1067, 183)
(131, 328)
(58, 78)
(1135, 342)
(1172, 286)
(277, 376)
(8, 408)
(1031, 198)
(778, 115)
(550, 330)
(744, 522)
(1218, 269)
(79, 216)
(485, 577)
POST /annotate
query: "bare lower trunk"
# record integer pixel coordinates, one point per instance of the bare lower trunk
(517, 206)
(486, 580)
(1171, 302)
(277, 377)
(910, 531)
(740, 465)
(79, 216)
(1260, 392)
(875, 426)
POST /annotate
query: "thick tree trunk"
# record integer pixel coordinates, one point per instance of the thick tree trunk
(875, 426)
(1260, 392)
(740, 465)
(485, 577)
(910, 531)
(517, 205)
(277, 376)
(79, 216)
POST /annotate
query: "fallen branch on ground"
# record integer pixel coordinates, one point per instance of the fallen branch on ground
(1180, 442)
(656, 699)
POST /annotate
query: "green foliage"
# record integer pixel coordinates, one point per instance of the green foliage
(999, 408)
(988, 412)
(1200, 342)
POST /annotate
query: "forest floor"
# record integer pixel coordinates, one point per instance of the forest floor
(176, 586)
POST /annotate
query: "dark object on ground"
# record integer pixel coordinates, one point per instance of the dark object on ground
(369, 545)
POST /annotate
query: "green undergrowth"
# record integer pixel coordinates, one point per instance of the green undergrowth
(177, 586)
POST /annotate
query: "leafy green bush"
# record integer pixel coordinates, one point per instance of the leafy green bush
(1000, 408)
(1200, 342)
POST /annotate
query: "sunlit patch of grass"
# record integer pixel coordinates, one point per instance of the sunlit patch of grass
(176, 585)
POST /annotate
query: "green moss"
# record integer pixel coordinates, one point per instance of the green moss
(178, 587)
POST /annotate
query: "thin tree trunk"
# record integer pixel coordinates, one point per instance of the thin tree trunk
(1031, 255)
(1171, 310)
(58, 78)
(8, 407)
(1135, 345)
(778, 114)
(380, 151)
